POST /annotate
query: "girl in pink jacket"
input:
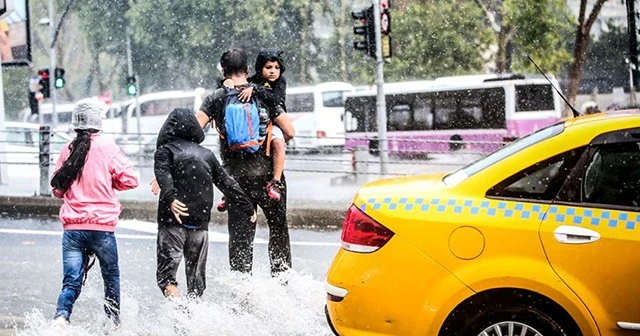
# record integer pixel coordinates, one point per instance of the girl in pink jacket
(89, 171)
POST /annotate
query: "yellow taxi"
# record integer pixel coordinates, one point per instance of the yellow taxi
(541, 237)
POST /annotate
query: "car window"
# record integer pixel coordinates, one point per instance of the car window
(20, 137)
(504, 152)
(58, 142)
(542, 181)
(612, 176)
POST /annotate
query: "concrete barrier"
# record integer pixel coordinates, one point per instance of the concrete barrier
(324, 216)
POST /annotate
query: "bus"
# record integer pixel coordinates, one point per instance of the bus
(477, 113)
(317, 113)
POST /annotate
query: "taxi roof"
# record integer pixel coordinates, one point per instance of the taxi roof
(621, 116)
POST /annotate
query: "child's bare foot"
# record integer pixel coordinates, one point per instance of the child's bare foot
(171, 291)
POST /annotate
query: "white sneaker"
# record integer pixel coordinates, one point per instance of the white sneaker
(60, 322)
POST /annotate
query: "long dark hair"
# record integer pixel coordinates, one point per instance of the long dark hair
(71, 169)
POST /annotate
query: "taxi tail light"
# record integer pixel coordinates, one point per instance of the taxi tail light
(360, 233)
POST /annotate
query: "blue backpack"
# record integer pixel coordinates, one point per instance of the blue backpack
(242, 123)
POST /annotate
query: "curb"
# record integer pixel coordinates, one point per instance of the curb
(324, 216)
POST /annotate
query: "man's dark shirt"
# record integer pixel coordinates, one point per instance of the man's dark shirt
(238, 164)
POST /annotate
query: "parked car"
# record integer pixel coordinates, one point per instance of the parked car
(22, 148)
(541, 237)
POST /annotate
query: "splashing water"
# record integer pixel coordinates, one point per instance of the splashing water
(232, 304)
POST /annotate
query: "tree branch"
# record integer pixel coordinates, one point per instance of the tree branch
(490, 16)
(581, 14)
(594, 14)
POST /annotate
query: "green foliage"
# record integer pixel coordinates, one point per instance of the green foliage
(540, 30)
(16, 89)
(178, 44)
(435, 38)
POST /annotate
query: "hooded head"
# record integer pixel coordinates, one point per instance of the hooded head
(269, 54)
(88, 114)
(180, 124)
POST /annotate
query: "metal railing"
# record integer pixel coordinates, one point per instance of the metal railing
(353, 165)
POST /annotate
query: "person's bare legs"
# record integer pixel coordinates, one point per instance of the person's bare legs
(275, 186)
(278, 151)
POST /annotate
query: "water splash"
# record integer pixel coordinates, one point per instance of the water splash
(232, 305)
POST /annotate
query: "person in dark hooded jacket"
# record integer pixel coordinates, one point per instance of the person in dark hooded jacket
(270, 87)
(186, 173)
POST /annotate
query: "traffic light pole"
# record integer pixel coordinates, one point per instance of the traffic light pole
(130, 73)
(52, 69)
(381, 104)
(4, 179)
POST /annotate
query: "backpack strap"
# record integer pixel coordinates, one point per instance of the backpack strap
(268, 138)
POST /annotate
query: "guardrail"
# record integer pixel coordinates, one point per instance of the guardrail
(352, 165)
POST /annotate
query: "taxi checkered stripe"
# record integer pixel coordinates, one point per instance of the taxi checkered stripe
(517, 210)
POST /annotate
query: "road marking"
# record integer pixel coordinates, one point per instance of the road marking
(150, 227)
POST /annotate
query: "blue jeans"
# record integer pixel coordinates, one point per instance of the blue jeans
(76, 247)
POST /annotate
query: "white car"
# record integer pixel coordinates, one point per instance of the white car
(21, 154)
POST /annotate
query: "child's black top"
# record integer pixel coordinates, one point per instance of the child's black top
(187, 172)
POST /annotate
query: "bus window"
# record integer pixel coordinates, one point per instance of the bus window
(400, 117)
(422, 112)
(532, 98)
(470, 109)
(360, 114)
(333, 99)
(493, 108)
(300, 102)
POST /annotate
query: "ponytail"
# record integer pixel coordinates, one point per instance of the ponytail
(71, 169)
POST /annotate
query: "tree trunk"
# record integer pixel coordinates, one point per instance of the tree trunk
(501, 57)
(580, 50)
(307, 17)
(95, 69)
(575, 71)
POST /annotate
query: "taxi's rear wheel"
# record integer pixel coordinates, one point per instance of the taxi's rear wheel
(508, 309)
(513, 320)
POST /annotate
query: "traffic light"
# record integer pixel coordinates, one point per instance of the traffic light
(132, 86)
(59, 82)
(44, 82)
(385, 29)
(365, 28)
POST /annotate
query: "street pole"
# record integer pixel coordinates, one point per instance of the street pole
(130, 73)
(633, 39)
(381, 104)
(632, 90)
(4, 179)
(52, 69)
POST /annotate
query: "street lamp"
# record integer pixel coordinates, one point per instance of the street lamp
(632, 91)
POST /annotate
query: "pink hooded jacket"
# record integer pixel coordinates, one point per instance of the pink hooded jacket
(91, 203)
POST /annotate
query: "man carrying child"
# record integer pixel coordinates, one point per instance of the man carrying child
(253, 170)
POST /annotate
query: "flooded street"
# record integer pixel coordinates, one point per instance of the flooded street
(30, 255)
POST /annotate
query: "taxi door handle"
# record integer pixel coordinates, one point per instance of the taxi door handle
(568, 234)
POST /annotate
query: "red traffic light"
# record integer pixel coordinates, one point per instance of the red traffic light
(43, 73)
